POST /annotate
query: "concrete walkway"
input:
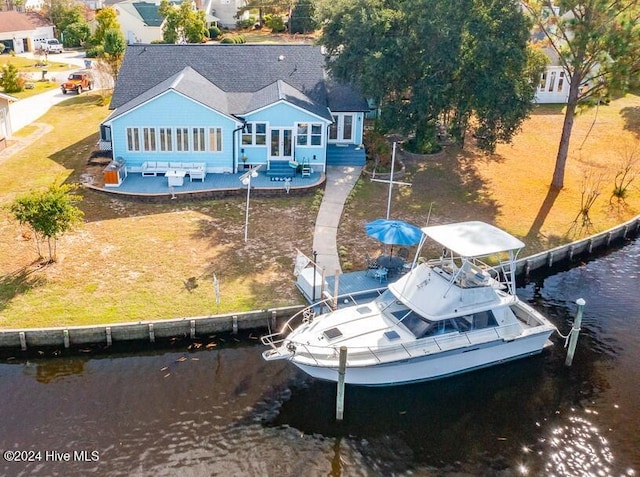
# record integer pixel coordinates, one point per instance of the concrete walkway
(340, 181)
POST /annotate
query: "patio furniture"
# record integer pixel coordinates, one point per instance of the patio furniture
(381, 274)
(372, 264)
(392, 263)
(175, 177)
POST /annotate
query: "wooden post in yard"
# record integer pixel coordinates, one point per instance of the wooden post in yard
(342, 368)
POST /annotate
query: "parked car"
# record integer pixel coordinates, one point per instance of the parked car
(51, 46)
(78, 82)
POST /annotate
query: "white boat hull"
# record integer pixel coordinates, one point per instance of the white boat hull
(434, 366)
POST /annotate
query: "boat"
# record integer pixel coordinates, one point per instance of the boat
(447, 315)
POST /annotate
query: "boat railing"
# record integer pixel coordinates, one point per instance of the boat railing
(366, 356)
(315, 310)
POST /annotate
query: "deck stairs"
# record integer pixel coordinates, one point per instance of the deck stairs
(345, 155)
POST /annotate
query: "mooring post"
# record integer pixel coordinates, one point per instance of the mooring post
(575, 331)
(342, 367)
(336, 288)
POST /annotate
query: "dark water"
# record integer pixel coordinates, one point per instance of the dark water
(223, 411)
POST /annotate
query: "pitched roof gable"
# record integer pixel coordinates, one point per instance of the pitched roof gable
(149, 13)
(188, 82)
(282, 91)
(239, 69)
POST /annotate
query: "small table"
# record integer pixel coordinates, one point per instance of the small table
(390, 262)
(175, 177)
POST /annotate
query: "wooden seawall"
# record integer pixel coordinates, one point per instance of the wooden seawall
(198, 327)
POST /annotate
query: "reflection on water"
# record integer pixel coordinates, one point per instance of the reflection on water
(224, 411)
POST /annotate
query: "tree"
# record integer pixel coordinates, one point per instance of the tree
(10, 80)
(49, 214)
(453, 62)
(302, 19)
(106, 19)
(114, 48)
(63, 13)
(182, 24)
(76, 34)
(597, 43)
(264, 7)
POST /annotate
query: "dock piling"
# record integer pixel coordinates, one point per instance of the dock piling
(342, 368)
(575, 331)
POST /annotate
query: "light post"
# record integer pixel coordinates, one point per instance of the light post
(246, 180)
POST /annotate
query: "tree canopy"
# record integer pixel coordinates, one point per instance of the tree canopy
(436, 61)
(597, 43)
(183, 23)
(49, 214)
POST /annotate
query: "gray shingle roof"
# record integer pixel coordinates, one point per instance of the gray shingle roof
(188, 82)
(237, 69)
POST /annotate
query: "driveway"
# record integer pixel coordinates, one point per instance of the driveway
(26, 111)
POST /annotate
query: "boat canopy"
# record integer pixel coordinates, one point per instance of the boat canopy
(473, 239)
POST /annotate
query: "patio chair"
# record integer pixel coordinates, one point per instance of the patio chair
(381, 274)
(372, 263)
(403, 253)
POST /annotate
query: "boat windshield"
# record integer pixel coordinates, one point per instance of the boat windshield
(393, 308)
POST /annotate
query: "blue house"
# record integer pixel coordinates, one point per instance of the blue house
(225, 108)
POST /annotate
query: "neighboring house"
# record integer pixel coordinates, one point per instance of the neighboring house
(140, 22)
(19, 32)
(5, 118)
(230, 106)
(554, 81)
(225, 11)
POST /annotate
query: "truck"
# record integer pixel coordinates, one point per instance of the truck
(50, 45)
(79, 81)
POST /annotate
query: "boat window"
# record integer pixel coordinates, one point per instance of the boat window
(484, 319)
(441, 328)
(415, 323)
(385, 300)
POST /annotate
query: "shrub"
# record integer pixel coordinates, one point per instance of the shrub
(2, 47)
(95, 51)
(246, 24)
(275, 23)
(10, 80)
(214, 32)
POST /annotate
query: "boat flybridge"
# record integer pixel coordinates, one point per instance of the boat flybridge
(448, 315)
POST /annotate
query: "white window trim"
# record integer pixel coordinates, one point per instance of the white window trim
(253, 135)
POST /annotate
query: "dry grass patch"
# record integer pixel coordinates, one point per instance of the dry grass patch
(511, 187)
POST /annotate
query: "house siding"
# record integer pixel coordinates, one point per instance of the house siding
(172, 110)
(287, 116)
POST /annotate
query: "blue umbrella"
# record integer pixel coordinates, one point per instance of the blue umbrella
(393, 232)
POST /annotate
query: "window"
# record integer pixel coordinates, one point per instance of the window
(182, 139)
(166, 139)
(198, 139)
(560, 82)
(309, 134)
(149, 136)
(215, 139)
(552, 81)
(133, 139)
(303, 131)
(255, 134)
(316, 134)
(543, 81)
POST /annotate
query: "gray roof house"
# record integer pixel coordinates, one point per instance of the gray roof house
(232, 106)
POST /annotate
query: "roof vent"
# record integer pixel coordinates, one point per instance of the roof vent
(281, 58)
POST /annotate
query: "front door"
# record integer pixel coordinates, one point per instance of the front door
(341, 130)
(281, 144)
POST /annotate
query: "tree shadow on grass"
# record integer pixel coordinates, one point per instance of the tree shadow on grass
(631, 116)
(19, 282)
